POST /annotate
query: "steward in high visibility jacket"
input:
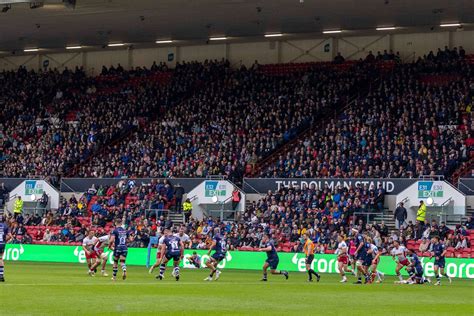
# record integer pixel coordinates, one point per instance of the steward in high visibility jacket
(421, 213)
(187, 209)
(18, 206)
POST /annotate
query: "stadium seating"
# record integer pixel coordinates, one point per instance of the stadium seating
(229, 123)
(203, 119)
(403, 128)
(71, 116)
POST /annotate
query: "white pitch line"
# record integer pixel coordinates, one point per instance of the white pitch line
(125, 283)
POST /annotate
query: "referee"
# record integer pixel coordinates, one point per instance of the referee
(308, 249)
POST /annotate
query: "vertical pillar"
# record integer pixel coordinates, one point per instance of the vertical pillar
(279, 52)
(130, 58)
(335, 46)
(177, 56)
(450, 40)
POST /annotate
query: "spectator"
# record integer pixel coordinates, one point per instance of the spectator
(179, 193)
(3, 195)
(425, 245)
(43, 202)
(236, 196)
(47, 235)
(339, 59)
(400, 215)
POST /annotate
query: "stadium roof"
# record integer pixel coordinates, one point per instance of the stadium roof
(98, 22)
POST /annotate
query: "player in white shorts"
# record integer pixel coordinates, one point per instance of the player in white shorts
(342, 258)
(399, 252)
(88, 246)
(158, 254)
(98, 249)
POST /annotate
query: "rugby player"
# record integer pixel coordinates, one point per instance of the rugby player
(342, 258)
(219, 246)
(399, 252)
(415, 269)
(158, 252)
(439, 252)
(360, 255)
(195, 260)
(183, 237)
(172, 248)
(272, 258)
(376, 253)
(367, 258)
(88, 246)
(118, 243)
(5, 236)
(101, 257)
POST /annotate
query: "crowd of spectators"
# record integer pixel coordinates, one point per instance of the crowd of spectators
(66, 123)
(286, 214)
(414, 121)
(229, 123)
(409, 125)
(52, 121)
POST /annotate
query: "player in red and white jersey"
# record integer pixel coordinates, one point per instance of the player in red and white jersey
(399, 252)
(158, 252)
(88, 245)
(342, 258)
(99, 246)
(376, 253)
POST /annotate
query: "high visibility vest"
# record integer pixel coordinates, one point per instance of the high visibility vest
(18, 207)
(421, 214)
(187, 206)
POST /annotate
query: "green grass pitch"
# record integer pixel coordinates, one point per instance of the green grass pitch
(65, 289)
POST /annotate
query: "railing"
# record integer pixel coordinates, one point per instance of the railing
(446, 202)
(465, 186)
(431, 177)
(224, 215)
(369, 216)
(29, 210)
(193, 198)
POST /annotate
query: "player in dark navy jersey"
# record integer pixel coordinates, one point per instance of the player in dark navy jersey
(272, 258)
(172, 248)
(5, 236)
(438, 250)
(415, 269)
(359, 254)
(219, 246)
(367, 258)
(118, 243)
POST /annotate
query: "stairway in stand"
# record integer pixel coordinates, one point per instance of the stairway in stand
(176, 218)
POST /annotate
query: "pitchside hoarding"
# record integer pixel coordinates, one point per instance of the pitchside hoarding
(391, 186)
(244, 260)
(83, 184)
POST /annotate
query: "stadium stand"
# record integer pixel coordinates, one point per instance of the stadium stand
(54, 121)
(229, 119)
(403, 128)
(231, 122)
